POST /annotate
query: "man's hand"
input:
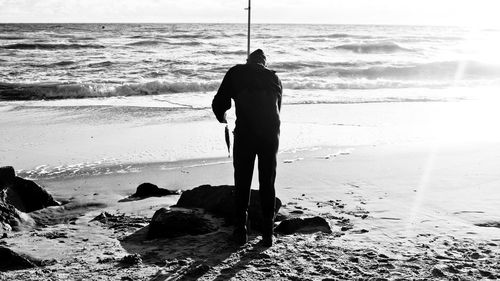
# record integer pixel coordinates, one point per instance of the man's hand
(224, 120)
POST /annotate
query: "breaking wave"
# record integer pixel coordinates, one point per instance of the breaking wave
(39, 46)
(300, 65)
(223, 52)
(376, 70)
(12, 37)
(146, 43)
(372, 48)
(328, 76)
(62, 63)
(190, 43)
(340, 35)
(450, 70)
(9, 91)
(100, 64)
(185, 36)
(56, 64)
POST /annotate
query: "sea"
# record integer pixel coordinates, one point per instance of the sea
(173, 70)
(68, 61)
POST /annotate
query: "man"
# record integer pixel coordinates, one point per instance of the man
(256, 92)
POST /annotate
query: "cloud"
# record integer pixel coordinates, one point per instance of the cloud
(265, 11)
(118, 10)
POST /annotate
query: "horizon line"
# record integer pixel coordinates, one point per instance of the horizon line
(253, 23)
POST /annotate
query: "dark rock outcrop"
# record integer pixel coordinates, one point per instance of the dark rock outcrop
(12, 219)
(131, 260)
(24, 195)
(27, 196)
(167, 224)
(147, 189)
(120, 222)
(216, 199)
(10, 260)
(7, 176)
(307, 225)
(17, 196)
(220, 201)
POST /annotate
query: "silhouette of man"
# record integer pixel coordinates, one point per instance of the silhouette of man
(257, 93)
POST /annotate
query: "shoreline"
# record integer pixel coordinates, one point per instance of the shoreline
(393, 181)
(64, 140)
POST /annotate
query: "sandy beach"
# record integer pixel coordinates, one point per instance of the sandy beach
(415, 210)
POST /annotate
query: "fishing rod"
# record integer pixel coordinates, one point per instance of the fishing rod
(248, 37)
(226, 130)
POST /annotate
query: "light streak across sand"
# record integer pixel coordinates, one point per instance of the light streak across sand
(415, 214)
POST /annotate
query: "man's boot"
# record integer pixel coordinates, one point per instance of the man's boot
(240, 235)
(267, 232)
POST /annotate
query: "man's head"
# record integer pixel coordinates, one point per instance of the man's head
(257, 57)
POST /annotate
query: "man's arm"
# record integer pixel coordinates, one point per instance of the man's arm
(222, 100)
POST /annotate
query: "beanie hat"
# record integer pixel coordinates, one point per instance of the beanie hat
(257, 56)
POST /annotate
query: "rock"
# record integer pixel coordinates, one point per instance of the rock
(475, 256)
(436, 272)
(485, 273)
(197, 271)
(131, 260)
(168, 224)
(307, 225)
(120, 221)
(216, 199)
(9, 217)
(360, 231)
(55, 235)
(12, 219)
(10, 260)
(25, 195)
(354, 259)
(147, 189)
(102, 217)
(220, 201)
(280, 217)
(7, 175)
(452, 269)
(346, 228)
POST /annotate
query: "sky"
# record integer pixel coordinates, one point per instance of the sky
(482, 13)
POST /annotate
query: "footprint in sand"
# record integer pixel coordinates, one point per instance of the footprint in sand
(389, 218)
(288, 161)
(489, 224)
(338, 153)
(359, 231)
(468, 212)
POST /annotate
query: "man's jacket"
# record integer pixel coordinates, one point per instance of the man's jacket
(257, 93)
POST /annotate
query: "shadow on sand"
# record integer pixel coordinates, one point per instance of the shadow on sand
(190, 257)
